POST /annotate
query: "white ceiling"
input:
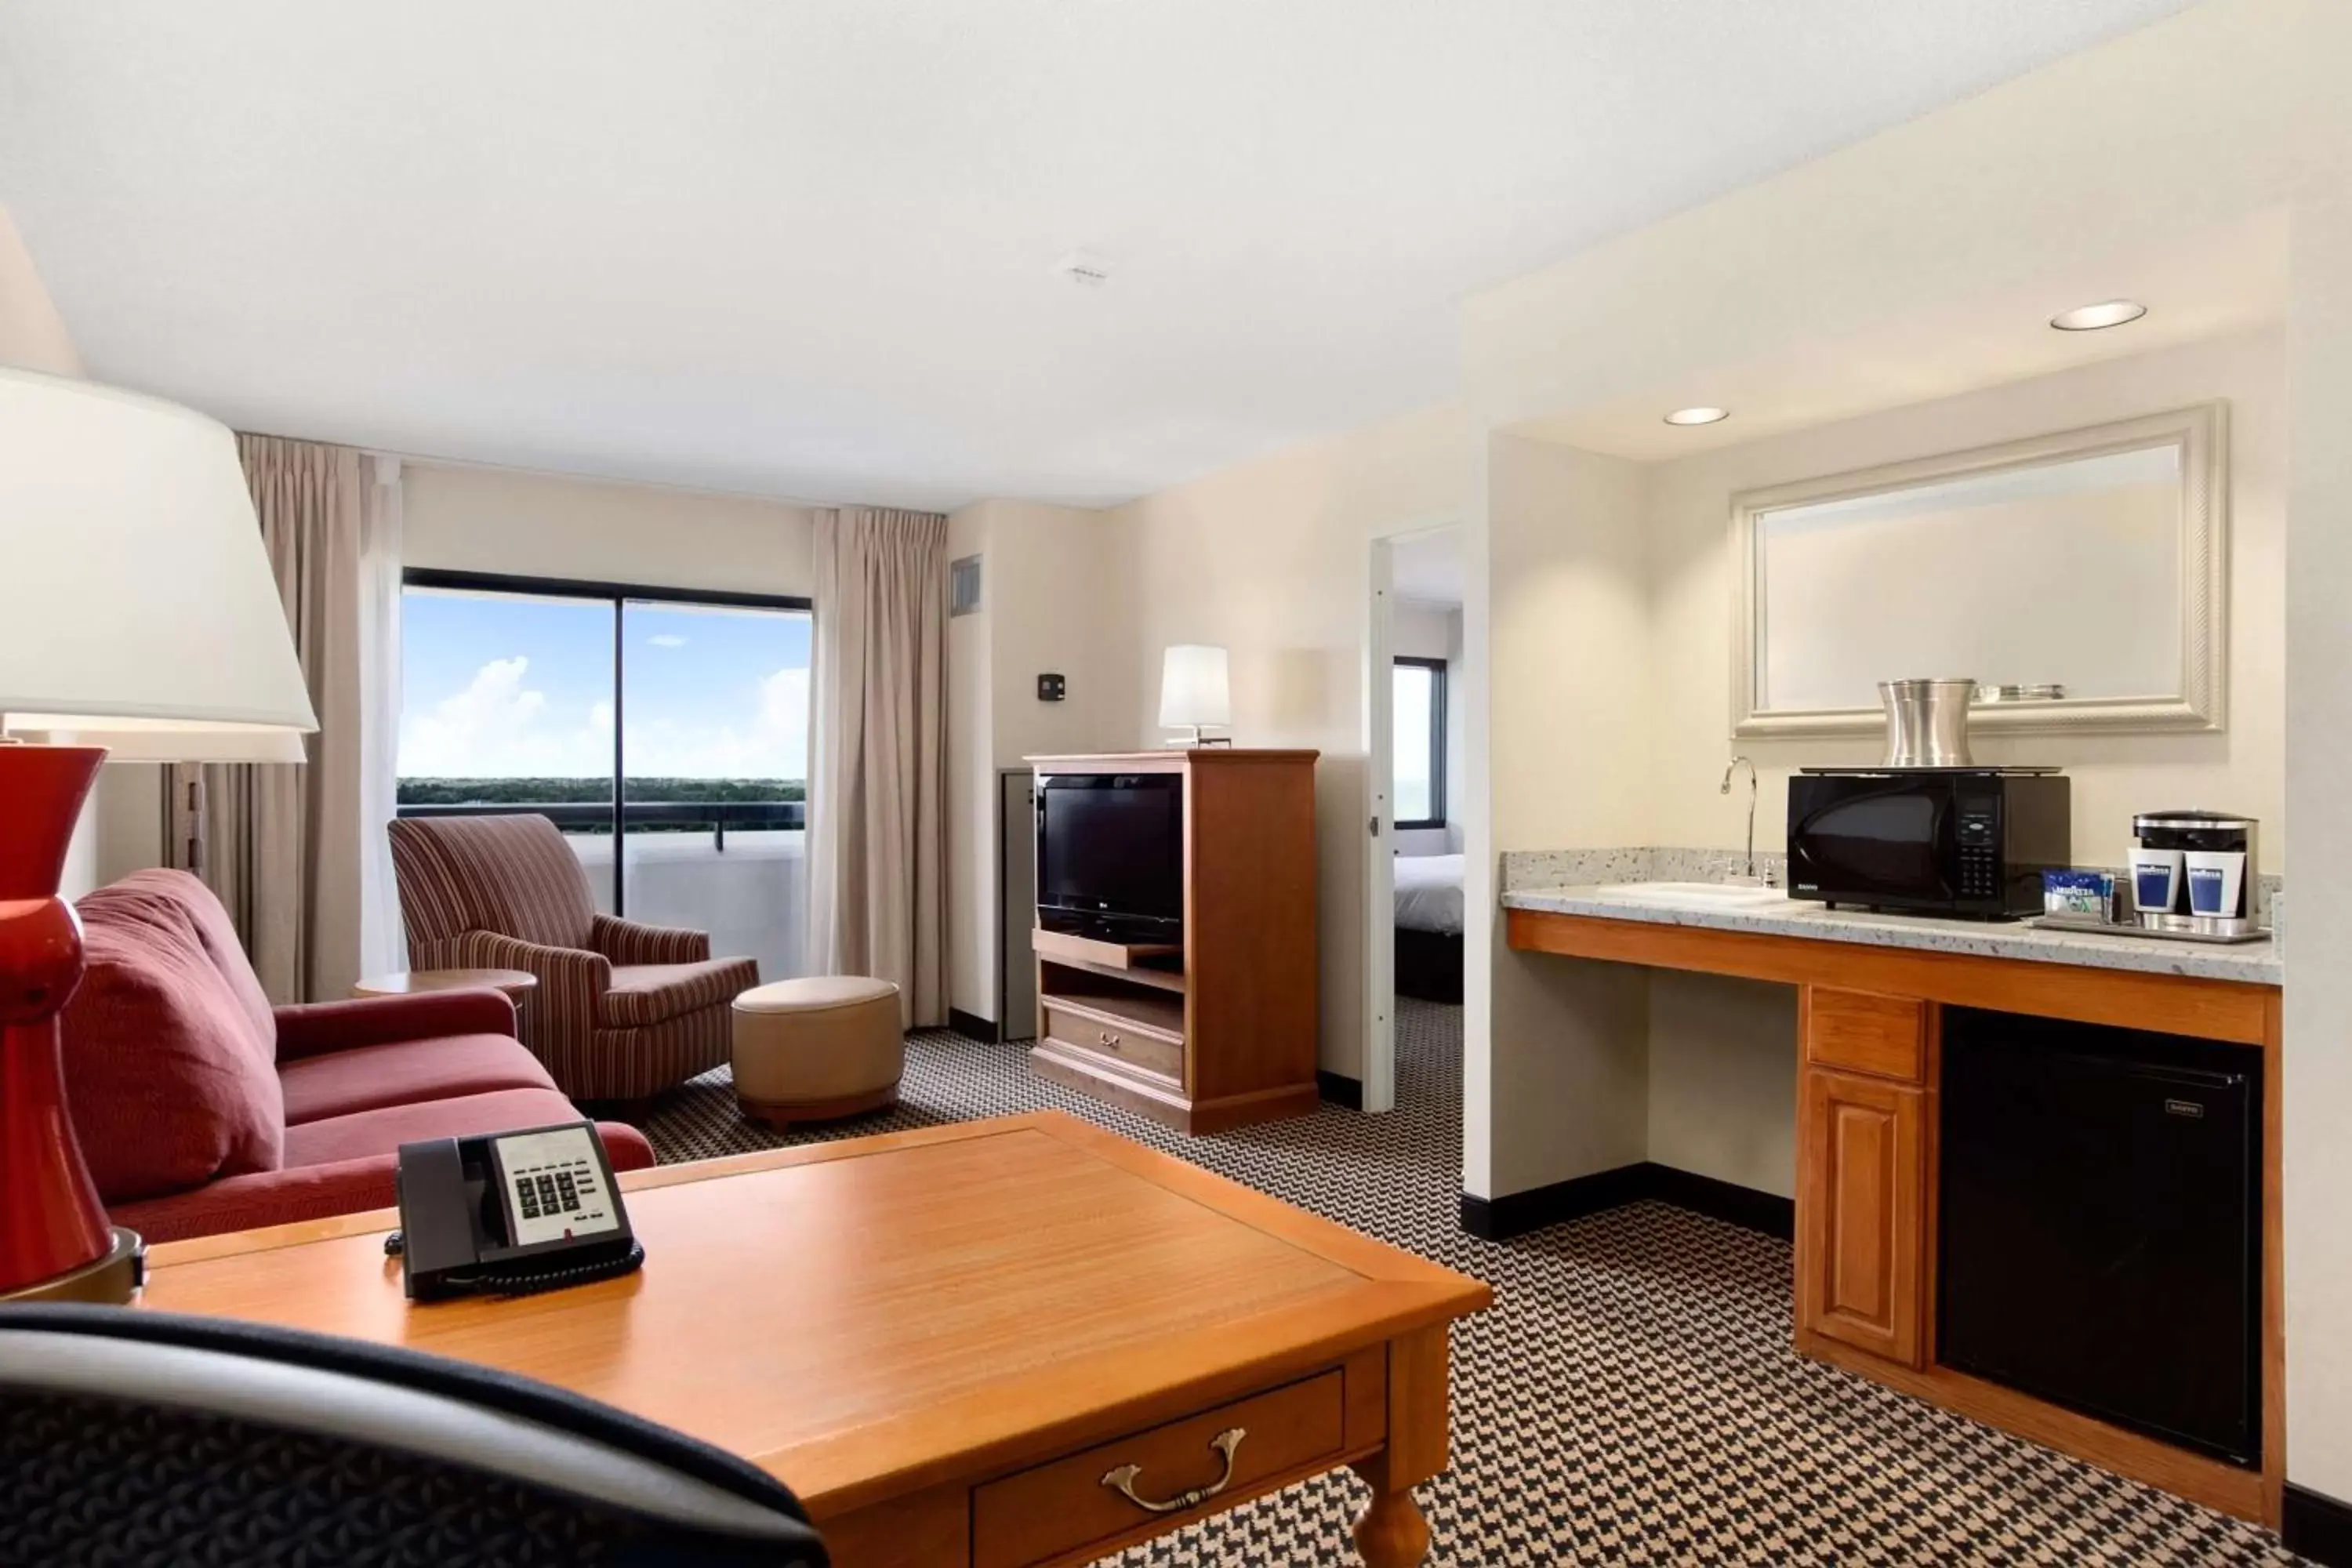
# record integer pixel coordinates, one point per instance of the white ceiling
(2227, 280)
(808, 249)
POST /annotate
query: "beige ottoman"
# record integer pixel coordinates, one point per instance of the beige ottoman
(814, 1049)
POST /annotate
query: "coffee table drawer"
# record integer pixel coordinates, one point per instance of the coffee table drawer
(1043, 1514)
(1122, 1040)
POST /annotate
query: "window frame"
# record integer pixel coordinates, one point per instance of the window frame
(618, 594)
(1438, 671)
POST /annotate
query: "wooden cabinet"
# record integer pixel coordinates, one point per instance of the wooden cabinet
(1861, 1171)
(1861, 1238)
(1221, 1030)
(1871, 1049)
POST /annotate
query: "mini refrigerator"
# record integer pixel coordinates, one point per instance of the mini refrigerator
(2100, 1238)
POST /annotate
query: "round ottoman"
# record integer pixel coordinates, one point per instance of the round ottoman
(814, 1049)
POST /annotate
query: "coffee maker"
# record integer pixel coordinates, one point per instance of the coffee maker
(2195, 871)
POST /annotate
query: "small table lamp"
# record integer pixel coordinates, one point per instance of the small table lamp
(138, 611)
(1193, 692)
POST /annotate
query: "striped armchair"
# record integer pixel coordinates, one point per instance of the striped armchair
(622, 1010)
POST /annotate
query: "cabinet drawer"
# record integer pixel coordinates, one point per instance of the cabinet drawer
(1856, 1031)
(1044, 1514)
(1122, 1040)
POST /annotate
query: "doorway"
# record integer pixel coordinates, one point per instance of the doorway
(1416, 703)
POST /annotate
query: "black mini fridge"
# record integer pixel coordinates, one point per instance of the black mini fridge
(2100, 1238)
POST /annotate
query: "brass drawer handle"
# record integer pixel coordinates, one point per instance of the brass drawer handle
(1122, 1479)
(1108, 1039)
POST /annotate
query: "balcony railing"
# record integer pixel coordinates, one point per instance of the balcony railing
(674, 868)
(654, 815)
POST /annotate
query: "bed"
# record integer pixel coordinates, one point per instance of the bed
(1429, 927)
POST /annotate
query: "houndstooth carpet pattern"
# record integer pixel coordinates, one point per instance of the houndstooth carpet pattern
(1632, 1398)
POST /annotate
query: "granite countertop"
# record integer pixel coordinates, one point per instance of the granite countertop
(2255, 962)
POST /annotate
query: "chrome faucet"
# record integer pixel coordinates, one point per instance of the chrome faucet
(1736, 764)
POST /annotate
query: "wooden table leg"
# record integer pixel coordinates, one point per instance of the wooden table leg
(1392, 1533)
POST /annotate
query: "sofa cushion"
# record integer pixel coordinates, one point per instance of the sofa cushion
(383, 1131)
(169, 1080)
(642, 993)
(315, 1192)
(162, 894)
(512, 874)
(370, 1078)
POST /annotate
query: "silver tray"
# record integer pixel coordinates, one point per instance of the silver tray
(2106, 927)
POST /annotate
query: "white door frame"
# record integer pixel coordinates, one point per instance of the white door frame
(1380, 773)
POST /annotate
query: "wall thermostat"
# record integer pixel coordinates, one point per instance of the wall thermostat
(1051, 689)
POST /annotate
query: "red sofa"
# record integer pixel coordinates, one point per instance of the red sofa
(201, 1108)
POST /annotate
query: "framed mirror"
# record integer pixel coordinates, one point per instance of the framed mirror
(2081, 579)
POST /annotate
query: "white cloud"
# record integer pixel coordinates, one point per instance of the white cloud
(500, 726)
(771, 742)
(666, 640)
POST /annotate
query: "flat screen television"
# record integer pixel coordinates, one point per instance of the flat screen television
(1110, 855)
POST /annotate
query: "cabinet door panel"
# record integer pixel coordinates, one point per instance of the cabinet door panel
(1861, 1233)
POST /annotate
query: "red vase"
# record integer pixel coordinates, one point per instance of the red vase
(51, 1220)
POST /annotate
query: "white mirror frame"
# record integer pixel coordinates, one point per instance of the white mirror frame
(2201, 434)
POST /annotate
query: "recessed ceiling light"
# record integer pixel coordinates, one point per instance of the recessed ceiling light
(1697, 415)
(2105, 313)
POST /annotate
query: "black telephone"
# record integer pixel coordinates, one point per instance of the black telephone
(510, 1213)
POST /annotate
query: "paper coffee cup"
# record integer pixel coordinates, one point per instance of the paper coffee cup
(2156, 880)
(2216, 878)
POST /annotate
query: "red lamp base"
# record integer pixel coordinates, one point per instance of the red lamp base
(54, 1235)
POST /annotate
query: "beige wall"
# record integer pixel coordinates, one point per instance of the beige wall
(1722, 1075)
(461, 518)
(2240, 768)
(33, 336)
(1271, 560)
(1052, 582)
(2318, 1076)
(1562, 1090)
(971, 801)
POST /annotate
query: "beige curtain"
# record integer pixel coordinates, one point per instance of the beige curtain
(878, 773)
(299, 854)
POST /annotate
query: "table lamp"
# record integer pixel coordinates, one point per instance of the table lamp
(138, 612)
(1193, 692)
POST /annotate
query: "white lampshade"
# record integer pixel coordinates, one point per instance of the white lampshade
(1193, 690)
(137, 609)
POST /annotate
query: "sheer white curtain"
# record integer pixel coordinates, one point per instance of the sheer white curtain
(299, 854)
(877, 772)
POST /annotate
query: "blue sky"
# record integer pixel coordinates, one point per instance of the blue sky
(502, 686)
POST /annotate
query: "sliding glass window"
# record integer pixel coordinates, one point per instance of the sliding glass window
(666, 732)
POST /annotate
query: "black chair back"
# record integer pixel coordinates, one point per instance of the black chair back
(135, 1437)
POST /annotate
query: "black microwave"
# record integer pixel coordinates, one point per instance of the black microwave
(1948, 841)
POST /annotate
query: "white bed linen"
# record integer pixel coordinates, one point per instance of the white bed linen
(1429, 893)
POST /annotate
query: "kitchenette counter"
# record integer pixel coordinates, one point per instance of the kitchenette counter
(2255, 963)
(1874, 994)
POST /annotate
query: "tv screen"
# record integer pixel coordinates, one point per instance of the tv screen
(1110, 850)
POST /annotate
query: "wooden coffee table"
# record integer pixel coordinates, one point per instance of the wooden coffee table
(999, 1343)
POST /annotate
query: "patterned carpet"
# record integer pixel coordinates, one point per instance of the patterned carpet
(1632, 1398)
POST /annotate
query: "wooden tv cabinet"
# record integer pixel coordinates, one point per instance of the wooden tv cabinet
(1222, 1030)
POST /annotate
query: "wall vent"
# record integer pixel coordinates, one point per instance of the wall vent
(963, 587)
